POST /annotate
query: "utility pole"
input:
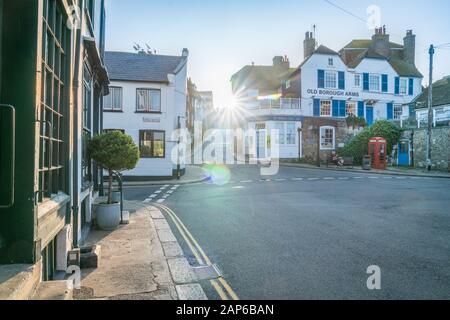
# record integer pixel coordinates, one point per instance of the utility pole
(430, 108)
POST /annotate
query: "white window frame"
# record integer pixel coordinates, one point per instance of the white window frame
(331, 62)
(110, 98)
(357, 80)
(327, 80)
(323, 131)
(355, 108)
(371, 76)
(149, 108)
(403, 86)
(294, 134)
(330, 108)
(396, 108)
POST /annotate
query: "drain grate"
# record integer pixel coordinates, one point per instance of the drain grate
(207, 272)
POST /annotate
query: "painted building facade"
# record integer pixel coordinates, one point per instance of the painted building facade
(148, 102)
(371, 79)
(52, 74)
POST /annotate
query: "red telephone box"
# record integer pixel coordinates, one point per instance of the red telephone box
(378, 153)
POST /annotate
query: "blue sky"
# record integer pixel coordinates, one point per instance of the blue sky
(224, 35)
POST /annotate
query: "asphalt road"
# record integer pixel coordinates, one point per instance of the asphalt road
(312, 234)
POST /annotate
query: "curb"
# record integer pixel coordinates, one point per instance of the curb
(182, 273)
(387, 173)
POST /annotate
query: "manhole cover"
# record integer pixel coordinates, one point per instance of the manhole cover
(207, 272)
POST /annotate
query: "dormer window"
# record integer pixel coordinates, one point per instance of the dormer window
(330, 62)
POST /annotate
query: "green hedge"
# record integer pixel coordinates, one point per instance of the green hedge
(359, 145)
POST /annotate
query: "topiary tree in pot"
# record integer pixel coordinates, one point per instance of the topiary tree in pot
(114, 151)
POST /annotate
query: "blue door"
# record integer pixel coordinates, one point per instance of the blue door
(403, 153)
(369, 115)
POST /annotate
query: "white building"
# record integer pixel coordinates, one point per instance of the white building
(371, 79)
(148, 102)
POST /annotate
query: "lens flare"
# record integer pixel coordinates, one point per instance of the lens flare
(217, 174)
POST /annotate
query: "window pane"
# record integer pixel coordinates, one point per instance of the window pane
(330, 80)
(156, 101)
(374, 83)
(280, 127)
(350, 108)
(290, 133)
(117, 99)
(325, 108)
(327, 138)
(143, 100)
(145, 144)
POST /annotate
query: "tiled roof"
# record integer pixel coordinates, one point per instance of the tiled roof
(365, 44)
(124, 66)
(325, 50)
(441, 94)
(261, 77)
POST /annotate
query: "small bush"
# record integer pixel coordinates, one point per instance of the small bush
(114, 151)
(359, 145)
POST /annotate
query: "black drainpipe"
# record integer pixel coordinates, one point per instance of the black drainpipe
(76, 87)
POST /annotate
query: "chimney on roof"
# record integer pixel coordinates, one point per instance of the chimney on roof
(309, 45)
(185, 52)
(381, 42)
(281, 62)
(409, 44)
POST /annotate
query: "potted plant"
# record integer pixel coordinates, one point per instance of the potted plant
(114, 151)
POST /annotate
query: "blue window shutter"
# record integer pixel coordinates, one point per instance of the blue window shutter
(316, 111)
(361, 109)
(335, 106)
(342, 105)
(384, 83)
(411, 87)
(390, 111)
(341, 76)
(365, 81)
(397, 85)
(320, 79)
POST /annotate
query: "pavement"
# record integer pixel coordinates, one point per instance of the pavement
(413, 172)
(139, 261)
(194, 174)
(312, 234)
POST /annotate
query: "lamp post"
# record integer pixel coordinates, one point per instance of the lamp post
(299, 131)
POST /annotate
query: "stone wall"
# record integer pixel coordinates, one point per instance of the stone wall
(440, 148)
(311, 136)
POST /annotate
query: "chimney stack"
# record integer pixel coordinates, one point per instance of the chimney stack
(281, 62)
(409, 44)
(185, 52)
(381, 42)
(309, 45)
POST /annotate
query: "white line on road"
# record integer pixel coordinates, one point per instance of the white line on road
(247, 181)
(281, 179)
(343, 178)
(358, 177)
(161, 200)
(313, 179)
(373, 177)
(298, 179)
(329, 178)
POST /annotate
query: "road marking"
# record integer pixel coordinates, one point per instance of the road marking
(176, 219)
(281, 179)
(161, 200)
(329, 178)
(247, 181)
(298, 179)
(387, 177)
(170, 191)
(158, 192)
(265, 180)
(238, 187)
(358, 177)
(401, 178)
(343, 178)
(313, 179)
(219, 290)
(373, 177)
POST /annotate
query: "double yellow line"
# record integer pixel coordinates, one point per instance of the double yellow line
(221, 286)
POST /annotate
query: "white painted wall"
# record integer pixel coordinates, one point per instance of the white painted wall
(173, 105)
